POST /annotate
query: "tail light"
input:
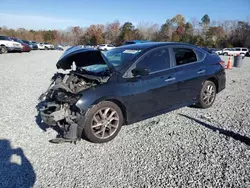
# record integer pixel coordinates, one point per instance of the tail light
(222, 63)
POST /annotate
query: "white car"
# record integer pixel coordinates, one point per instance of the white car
(219, 52)
(238, 51)
(105, 47)
(225, 51)
(47, 46)
(7, 45)
(40, 46)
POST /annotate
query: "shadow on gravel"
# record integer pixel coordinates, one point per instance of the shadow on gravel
(15, 168)
(231, 134)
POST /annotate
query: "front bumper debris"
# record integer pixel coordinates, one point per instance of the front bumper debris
(61, 116)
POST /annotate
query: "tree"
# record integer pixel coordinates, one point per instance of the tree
(179, 20)
(126, 32)
(112, 32)
(189, 30)
(148, 30)
(205, 21)
(166, 31)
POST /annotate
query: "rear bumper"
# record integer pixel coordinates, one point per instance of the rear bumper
(221, 81)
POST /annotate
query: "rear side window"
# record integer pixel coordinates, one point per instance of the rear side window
(184, 56)
(155, 60)
(244, 49)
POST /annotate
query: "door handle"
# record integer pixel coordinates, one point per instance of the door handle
(170, 79)
(201, 71)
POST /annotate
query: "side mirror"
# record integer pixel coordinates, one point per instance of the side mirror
(140, 72)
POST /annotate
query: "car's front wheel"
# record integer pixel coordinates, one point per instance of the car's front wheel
(102, 122)
(207, 95)
(4, 50)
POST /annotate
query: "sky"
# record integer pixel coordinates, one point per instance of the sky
(61, 14)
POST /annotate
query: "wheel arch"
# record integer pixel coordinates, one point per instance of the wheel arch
(122, 107)
(215, 81)
(118, 103)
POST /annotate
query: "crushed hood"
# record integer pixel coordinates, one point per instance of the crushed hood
(82, 57)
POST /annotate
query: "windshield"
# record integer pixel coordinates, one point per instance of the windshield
(118, 57)
(4, 38)
(18, 40)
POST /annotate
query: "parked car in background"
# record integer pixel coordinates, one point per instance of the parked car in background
(105, 47)
(7, 45)
(47, 46)
(218, 51)
(40, 46)
(226, 51)
(35, 44)
(238, 51)
(58, 47)
(135, 42)
(127, 84)
(25, 47)
(32, 46)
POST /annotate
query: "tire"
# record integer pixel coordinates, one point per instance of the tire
(4, 50)
(96, 131)
(46, 48)
(206, 100)
(226, 54)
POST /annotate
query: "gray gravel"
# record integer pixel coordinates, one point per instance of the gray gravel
(186, 148)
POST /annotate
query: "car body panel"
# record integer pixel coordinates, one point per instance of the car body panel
(148, 96)
(135, 42)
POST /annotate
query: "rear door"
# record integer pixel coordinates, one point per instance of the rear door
(190, 72)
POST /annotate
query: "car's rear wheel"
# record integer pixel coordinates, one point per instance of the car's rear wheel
(207, 95)
(4, 50)
(102, 122)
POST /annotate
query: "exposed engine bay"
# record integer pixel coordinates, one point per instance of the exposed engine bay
(58, 102)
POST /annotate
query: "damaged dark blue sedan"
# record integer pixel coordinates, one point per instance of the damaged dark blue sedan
(103, 91)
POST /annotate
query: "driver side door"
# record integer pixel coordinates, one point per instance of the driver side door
(151, 94)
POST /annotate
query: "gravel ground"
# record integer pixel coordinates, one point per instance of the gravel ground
(188, 147)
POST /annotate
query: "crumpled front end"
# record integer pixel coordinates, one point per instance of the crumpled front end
(58, 107)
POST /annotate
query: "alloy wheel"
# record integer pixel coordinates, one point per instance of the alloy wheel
(104, 123)
(208, 95)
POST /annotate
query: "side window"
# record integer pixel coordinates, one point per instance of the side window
(155, 60)
(244, 49)
(184, 56)
(237, 49)
(109, 45)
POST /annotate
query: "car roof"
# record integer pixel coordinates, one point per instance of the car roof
(149, 45)
(137, 41)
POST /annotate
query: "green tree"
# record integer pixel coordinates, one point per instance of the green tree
(205, 21)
